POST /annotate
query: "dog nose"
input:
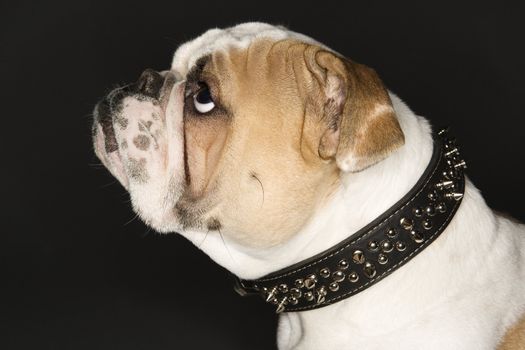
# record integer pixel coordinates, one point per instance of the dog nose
(150, 83)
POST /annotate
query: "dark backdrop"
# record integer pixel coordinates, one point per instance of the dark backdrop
(78, 272)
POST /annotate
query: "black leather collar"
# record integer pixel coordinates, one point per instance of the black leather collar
(378, 249)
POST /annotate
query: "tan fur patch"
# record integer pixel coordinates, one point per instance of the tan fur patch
(514, 339)
(262, 145)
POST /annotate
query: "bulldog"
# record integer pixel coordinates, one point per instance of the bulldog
(267, 149)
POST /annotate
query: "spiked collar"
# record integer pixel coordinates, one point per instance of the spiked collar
(378, 249)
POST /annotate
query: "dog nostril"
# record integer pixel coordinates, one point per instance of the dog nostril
(150, 83)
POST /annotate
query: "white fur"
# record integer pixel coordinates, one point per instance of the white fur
(239, 36)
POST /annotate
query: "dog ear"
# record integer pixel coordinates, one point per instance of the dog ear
(361, 126)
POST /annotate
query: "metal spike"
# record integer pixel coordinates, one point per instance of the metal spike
(321, 295)
(406, 223)
(271, 294)
(462, 164)
(358, 257)
(454, 195)
(370, 270)
(452, 152)
(444, 184)
(442, 131)
(310, 281)
(281, 306)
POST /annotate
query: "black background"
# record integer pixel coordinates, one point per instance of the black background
(78, 272)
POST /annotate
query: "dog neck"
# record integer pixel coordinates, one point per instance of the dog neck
(360, 198)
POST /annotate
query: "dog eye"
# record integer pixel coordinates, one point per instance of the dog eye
(202, 100)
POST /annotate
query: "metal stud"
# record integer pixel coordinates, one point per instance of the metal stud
(295, 292)
(343, 264)
(369, 270)
(444, 184)
(271, 294)
(282, 305)
(417, 212)
(353, 277)
(387, 246)
(372, 246)
(338, 276)
(293, 300)
(433, 196)
(451, 174)
(391, 233)
(358, 257)
(400, 246)
(324, 273)
(321, 294)
(334, 286)
(430, 210)
(427, 224)
(416, 236)
(406, 223)
(283, 288)
(382, 259)
(310, 281)
(309, 295)
(454, 195)
(441, 207)
(299, 283)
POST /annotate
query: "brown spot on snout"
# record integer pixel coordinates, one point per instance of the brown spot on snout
(141, 142)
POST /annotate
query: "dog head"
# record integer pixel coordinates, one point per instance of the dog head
(247, 135)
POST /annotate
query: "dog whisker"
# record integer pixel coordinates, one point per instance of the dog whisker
(204, 239)
(254, 175)
(146, 129)
(131, 220)
(225, 246)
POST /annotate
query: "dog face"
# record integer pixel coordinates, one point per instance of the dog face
(248, 133)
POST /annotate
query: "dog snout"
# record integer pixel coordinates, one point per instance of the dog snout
(150, 83)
